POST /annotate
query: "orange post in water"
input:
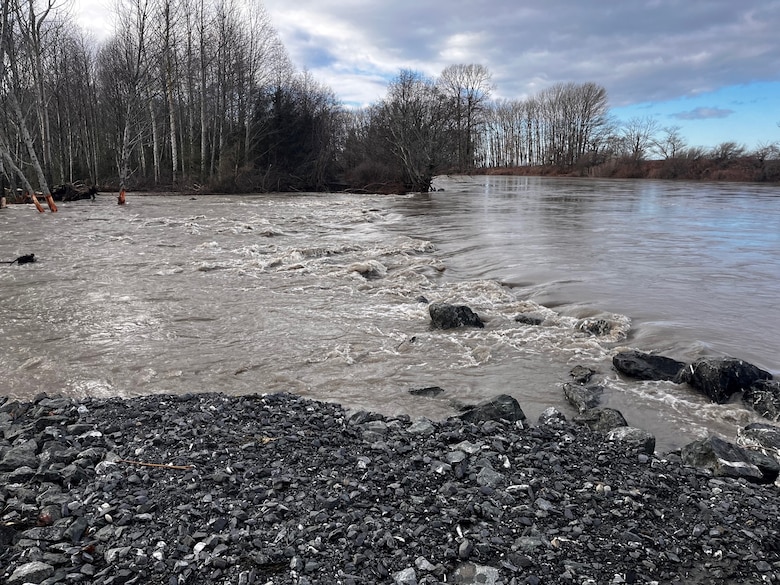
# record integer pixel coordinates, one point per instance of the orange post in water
(50, 203)
(37, 203)
(121, 199)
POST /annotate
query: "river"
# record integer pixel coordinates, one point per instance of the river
(319, 294)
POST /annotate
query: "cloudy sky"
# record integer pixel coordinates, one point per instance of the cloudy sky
(711, 67)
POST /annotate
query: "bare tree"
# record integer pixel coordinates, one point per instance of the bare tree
(414, 119)
(670, 143)
(637, 136)
(124, 72)
(563, 125)
(468, 88)
(726, 151)
(21, 32)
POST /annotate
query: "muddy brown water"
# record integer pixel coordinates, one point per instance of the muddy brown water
(317, 294)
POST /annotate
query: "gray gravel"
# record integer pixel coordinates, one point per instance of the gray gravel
(278, 489)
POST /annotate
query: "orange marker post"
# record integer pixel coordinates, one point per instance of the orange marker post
(50, 203)
(37, 203)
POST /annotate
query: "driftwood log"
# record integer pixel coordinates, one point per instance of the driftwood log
(73, 192)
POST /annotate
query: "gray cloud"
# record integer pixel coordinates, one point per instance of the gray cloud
(703, 114)
(640, 50)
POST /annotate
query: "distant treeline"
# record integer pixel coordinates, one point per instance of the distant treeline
(203, 96)
(694, 164)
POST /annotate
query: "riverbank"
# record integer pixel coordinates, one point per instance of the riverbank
(280, 489)
(697, 166)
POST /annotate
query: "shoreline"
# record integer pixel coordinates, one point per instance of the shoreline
(283, 489)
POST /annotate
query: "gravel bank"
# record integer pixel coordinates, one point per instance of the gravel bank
(278, 489)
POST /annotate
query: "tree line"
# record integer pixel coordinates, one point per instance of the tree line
(201, 94)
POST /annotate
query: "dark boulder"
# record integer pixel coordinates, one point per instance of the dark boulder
(722, 458)
(764, 398)
(529, 319)
(428, 392)
(583, 397)
(718, 379)
(633, 438)
(502, 407)
(644, 366)
(446, 316)
(602, 420)
(582, 374)
(22, 455)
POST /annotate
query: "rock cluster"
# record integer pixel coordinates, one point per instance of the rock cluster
(278, 489)
(755, 457)
(716, 378)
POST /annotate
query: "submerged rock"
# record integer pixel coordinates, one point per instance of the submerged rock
(582, 374)
(645, 366)
(428, 392)
(595, 327)
(370, 269)
(583, 398)
(719, 378)
(446, 316)
(529, 319)
(502, 407)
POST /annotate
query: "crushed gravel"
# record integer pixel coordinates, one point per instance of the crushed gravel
(278, 489)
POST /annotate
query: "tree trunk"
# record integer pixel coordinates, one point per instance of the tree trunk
(155, 144)
(30, 144)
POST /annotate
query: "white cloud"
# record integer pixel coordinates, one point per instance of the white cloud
(703, 113)
(639, 50)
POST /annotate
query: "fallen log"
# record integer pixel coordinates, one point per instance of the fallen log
(73, 192)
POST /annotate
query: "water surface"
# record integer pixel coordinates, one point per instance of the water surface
(320, 294)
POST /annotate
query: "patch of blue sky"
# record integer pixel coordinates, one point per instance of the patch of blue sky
(746, 114)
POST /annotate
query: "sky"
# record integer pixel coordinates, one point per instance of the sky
(709, 67)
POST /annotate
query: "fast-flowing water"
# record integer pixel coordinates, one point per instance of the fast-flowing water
(320, 294)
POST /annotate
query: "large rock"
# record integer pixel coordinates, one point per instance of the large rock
(472, 574)
(33, 572)
(22, 455)
(723, 458)
(645, 366)
(633, 438)
(446, 316)
(551, 416)
(583, 397)
(602, 420)
(764, 398)
(502, 407)
(761, 437)
(718, 379)
(582, 374)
